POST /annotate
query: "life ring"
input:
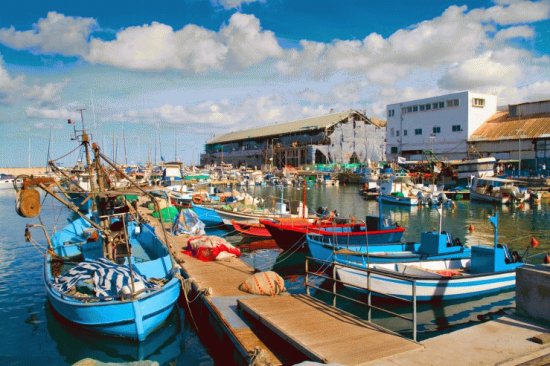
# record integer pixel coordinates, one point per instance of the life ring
(197, 199)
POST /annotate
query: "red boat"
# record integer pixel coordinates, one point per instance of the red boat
(291, 234)
(256, 230)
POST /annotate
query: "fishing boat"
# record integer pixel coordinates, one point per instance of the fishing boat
(498, 190)
(290, 233)
(254, 230)
(479, 168)
(108, 270)
(207, 215)
(398, 190)
(487, 270)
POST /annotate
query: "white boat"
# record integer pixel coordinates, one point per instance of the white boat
(6, 181)
(488, 270)
(497, 190)
(481, 167)
(398, 190)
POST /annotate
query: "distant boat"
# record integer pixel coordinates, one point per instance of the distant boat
(487, 270)
(6, 181)
(497, 190)
(478, 168)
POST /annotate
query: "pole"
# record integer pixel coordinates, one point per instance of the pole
(519, 153)
(304, 198)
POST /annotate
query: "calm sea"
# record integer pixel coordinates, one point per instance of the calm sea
(33, 334)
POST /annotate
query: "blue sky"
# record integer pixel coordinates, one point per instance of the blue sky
(186, 70)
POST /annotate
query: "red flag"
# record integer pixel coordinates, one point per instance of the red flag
(534, 242)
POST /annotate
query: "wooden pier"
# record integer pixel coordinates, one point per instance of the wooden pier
(248, 329)
(244, 329)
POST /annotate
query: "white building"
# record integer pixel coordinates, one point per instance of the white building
(442, 124)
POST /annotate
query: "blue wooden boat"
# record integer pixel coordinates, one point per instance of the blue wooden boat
(487, 270)
(207, 215)
(432, 246)
(127, 311)
(106, 270)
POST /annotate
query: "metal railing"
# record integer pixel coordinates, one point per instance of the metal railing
(325, 265)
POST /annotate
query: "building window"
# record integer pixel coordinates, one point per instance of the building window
(394, 149)
(392, 131)
(418, 131)
(436, 130)
(428, 106)
(391, 113)
(415, 108)
(441, 105)
(404, 132)
(422, 107)
(452, 103)
(409, 109)
(478, 102)
(397, 133)
(457, 128)
(403, 110)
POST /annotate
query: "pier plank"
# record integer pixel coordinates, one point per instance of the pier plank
(322, 332)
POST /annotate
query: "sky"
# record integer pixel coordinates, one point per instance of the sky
(163, 77)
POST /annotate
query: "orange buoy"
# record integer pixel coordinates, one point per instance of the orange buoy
(534, 242)
(547, 259)
(471, 228)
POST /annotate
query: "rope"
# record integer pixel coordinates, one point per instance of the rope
(187, 287)
(67, 154)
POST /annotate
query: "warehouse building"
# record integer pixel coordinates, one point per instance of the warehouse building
(519, 136)
(345, 137)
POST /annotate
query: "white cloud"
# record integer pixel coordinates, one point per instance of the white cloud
(14, 89)
(247, 44)
(232, 4)
(226, 115)
(158, 47)
(521, 31)
(479, 72)
(61, 113)
(513, 12)
(240, 44)
(55, 34)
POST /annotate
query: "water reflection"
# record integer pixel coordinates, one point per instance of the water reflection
(167, 345)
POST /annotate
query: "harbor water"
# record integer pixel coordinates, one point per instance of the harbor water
(33, 334)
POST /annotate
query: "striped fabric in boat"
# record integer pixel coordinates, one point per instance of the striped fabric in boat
(108, 278)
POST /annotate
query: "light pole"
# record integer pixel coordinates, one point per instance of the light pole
(519, 131)
(272, 150)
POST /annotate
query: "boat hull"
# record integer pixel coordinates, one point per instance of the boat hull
(404, 201)
(289, 236)
(436, 289)
(208, 216)
(128, 319)
(378, 253)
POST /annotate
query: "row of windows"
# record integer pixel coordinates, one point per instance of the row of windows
(435, 130)
(426, 107)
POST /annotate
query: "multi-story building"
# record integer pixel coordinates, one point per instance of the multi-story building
(441, 124)
(343, 137)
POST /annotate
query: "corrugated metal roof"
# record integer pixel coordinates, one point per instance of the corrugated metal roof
(313, 123)
(503, 127)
